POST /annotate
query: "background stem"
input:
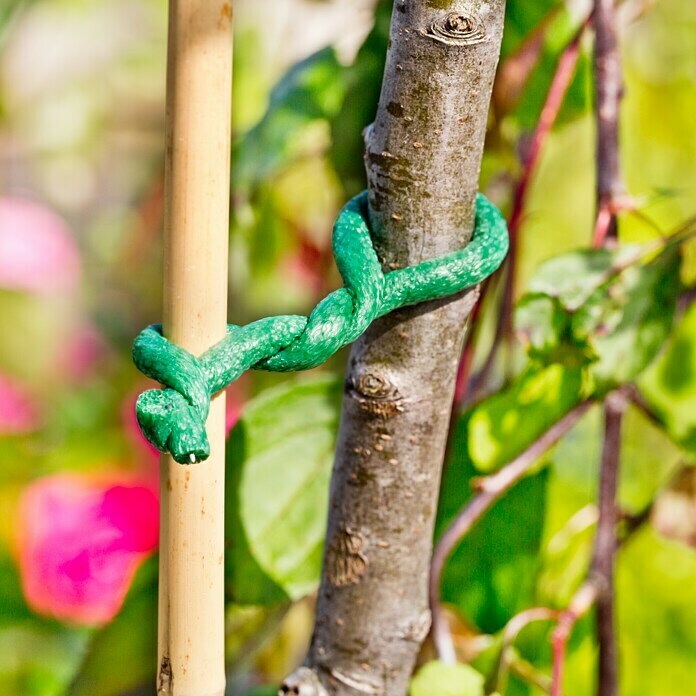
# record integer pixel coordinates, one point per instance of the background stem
(602, 571)
(608, 87)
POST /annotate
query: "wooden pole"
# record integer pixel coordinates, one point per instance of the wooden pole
(197, 173)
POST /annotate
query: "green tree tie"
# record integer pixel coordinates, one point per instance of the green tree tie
(173, 419)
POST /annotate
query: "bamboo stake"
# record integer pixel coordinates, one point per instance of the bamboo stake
(197, 172)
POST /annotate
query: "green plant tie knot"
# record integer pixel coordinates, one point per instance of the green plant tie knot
(173, 419)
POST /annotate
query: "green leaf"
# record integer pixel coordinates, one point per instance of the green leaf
(279, 465)
(123, 655)
(629, 321)
(669, 384)
(446, 680)
(310, 93)
(573, 277)
(13, 606)
(264, 691)
(505, 424)
(601, 307)
(491, 574)
(545, 328)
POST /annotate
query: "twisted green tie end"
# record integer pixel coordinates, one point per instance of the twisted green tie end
(173, 419)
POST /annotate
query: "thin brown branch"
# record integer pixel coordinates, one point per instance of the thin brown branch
(638, 400)
(610, 193)
(513, 628)
(602, 572)
(526, 672)
(685, 300)
(609, 87)
(491, 489)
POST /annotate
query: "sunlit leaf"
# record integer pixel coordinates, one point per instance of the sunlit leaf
(574, 276)
(279, 464)
(503, 425)
(648, 462)
(446, 680)
(545, 328)
(656, 615)
(669, 384)
(601, 307)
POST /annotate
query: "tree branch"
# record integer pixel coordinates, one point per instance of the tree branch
(602, 572)
(609, 87)
(599, 586)
(423, 155)
(491, 489)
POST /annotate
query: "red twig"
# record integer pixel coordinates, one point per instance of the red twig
(560, 83)
(490, 490)
(549, 115)
(579, 605)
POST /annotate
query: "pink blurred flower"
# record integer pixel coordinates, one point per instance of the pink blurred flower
(18, 413)
(82, 353)
(37, 251)
(81, 542)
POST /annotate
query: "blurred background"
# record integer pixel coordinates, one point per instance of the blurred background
(81, 163)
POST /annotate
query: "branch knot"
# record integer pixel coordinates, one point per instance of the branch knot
(458, 29)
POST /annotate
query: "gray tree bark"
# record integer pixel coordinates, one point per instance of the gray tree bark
(423, 155)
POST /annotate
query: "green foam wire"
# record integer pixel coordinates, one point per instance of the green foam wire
(173, 418)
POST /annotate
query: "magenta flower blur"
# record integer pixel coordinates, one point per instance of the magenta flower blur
(18, 413)
(81, 542)
(37, 251)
